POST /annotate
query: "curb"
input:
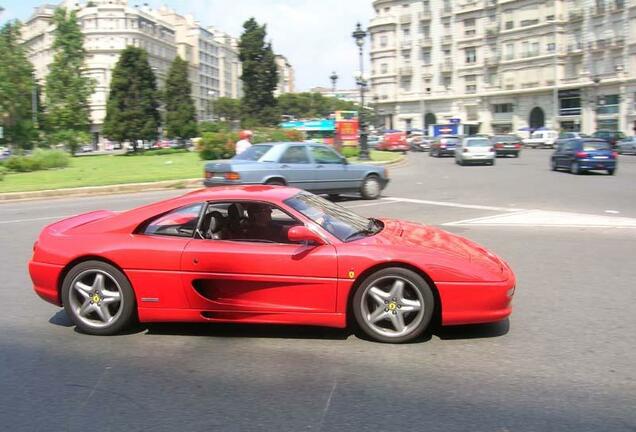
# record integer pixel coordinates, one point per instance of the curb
(100, 190)
(127, 187)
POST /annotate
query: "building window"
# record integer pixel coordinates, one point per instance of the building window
(469, 22)
(406, 32)
(384, 68)
(525, 23)
(471, 88)
(447, 81)
(471, 55)
(509, 25)
(383, 41)
(470, 78)
(426, 56)
(551, 47)
(608, 104)
(502, 108)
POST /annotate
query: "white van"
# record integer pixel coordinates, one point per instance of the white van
(542, 139)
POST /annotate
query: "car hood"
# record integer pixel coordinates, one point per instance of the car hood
(424, 237)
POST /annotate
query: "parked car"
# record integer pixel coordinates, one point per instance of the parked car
(265, 255)
(541, 139)
(444, 145)
(612, 137)
(419, 143)
(570, 135)
(580, 155)
(627, 145)
(373, 141)
(314, 167)
(475, 150)
(394, 141)
(507, 145)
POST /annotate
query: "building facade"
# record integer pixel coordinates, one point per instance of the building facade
(505, 65)
(286, 78)
(108, 26)
(213, 58)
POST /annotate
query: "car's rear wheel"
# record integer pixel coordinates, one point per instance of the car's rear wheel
(371, 188)
(553, 165)
(611, 171)
(393, 305)
(98, 298)
(575, 168)
(275, 182)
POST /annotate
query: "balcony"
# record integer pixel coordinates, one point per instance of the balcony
(576, 47)
(447, 11)
(618, 42)
(491, 61)
(406, 71)
(406, 45)
(405, 19)
(425, 15)
(383, 21)
(425, 42)
(447, 40)
(617, 6)
(597, 10)
(492, 31)
(575, 15)
(447, 66)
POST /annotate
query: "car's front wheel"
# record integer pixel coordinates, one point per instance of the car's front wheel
(553, 165)
(393, 305)
(98, 298)
(371, 187)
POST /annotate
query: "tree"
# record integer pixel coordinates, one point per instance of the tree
(260, 76)
(17, 84)
(227, 108)
(132, 108)
(180, 112)
(67, 89)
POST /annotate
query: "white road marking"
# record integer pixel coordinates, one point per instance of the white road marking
(543, 218)
(34, 219)
(612, 211)
(452, 204)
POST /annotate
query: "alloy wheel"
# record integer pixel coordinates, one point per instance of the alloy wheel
(96, 298)
(392, 306)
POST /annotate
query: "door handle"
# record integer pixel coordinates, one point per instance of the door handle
(319, 166)
(195, 261)
(284, 166)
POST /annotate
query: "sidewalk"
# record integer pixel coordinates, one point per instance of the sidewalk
(125, 188)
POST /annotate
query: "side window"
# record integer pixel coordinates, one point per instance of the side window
(324, 155)
(570, 146)
(295, 154)
(181, 222)
(248, 221)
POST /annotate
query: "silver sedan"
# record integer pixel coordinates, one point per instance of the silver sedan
(627, 145)
(314, 167)
(475, 150)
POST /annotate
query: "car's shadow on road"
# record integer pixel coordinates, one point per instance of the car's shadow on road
(475, 331)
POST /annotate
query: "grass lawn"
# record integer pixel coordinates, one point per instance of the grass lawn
(111, 170)
(107, 170)
(380, 156)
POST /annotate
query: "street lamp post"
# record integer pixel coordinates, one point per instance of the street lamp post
(596, 81)
(359, 35)
(212, 94)
(334, 78)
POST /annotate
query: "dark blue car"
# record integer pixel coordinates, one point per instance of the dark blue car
(584, 154)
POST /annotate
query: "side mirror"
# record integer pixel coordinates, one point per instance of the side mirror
(301, 233)
(344, 160)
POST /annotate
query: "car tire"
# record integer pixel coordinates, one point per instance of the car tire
(611, 171)
(461, 162)
(575, 168)
(492, 162)
(381, 301)
(553, 165)
(371, 187)
(98, 298)
(275, 182)
(430, 153)
(516, 155)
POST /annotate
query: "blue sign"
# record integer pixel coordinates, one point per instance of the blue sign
(450, 129)
(455, 120)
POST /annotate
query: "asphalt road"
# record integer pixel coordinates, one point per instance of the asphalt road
(563, 362)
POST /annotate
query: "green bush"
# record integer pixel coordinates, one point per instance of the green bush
(209, 126)
(39, 160)
(217, 145)
(48, 159)
(349, 151)
(3, 171)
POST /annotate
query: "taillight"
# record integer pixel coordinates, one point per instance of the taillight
(614, 154)
(492, 149)
(232, 176)
(518, 146)
(499, 145)
(209, 174)
(582, 155)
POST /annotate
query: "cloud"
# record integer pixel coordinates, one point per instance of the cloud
(315, 36)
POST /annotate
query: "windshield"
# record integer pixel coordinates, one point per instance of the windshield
(478, 142)
(253, 153)
(339, 221)
(595, 145)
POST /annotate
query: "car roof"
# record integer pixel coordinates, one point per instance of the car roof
(239, 192)
(277, 143)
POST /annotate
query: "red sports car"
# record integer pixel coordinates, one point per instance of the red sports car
(265, 254)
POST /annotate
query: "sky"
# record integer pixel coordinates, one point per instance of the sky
(314, 35)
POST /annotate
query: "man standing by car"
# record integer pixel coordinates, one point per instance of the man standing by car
(245, 136)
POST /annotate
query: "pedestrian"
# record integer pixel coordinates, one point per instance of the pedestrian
(244, 143)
